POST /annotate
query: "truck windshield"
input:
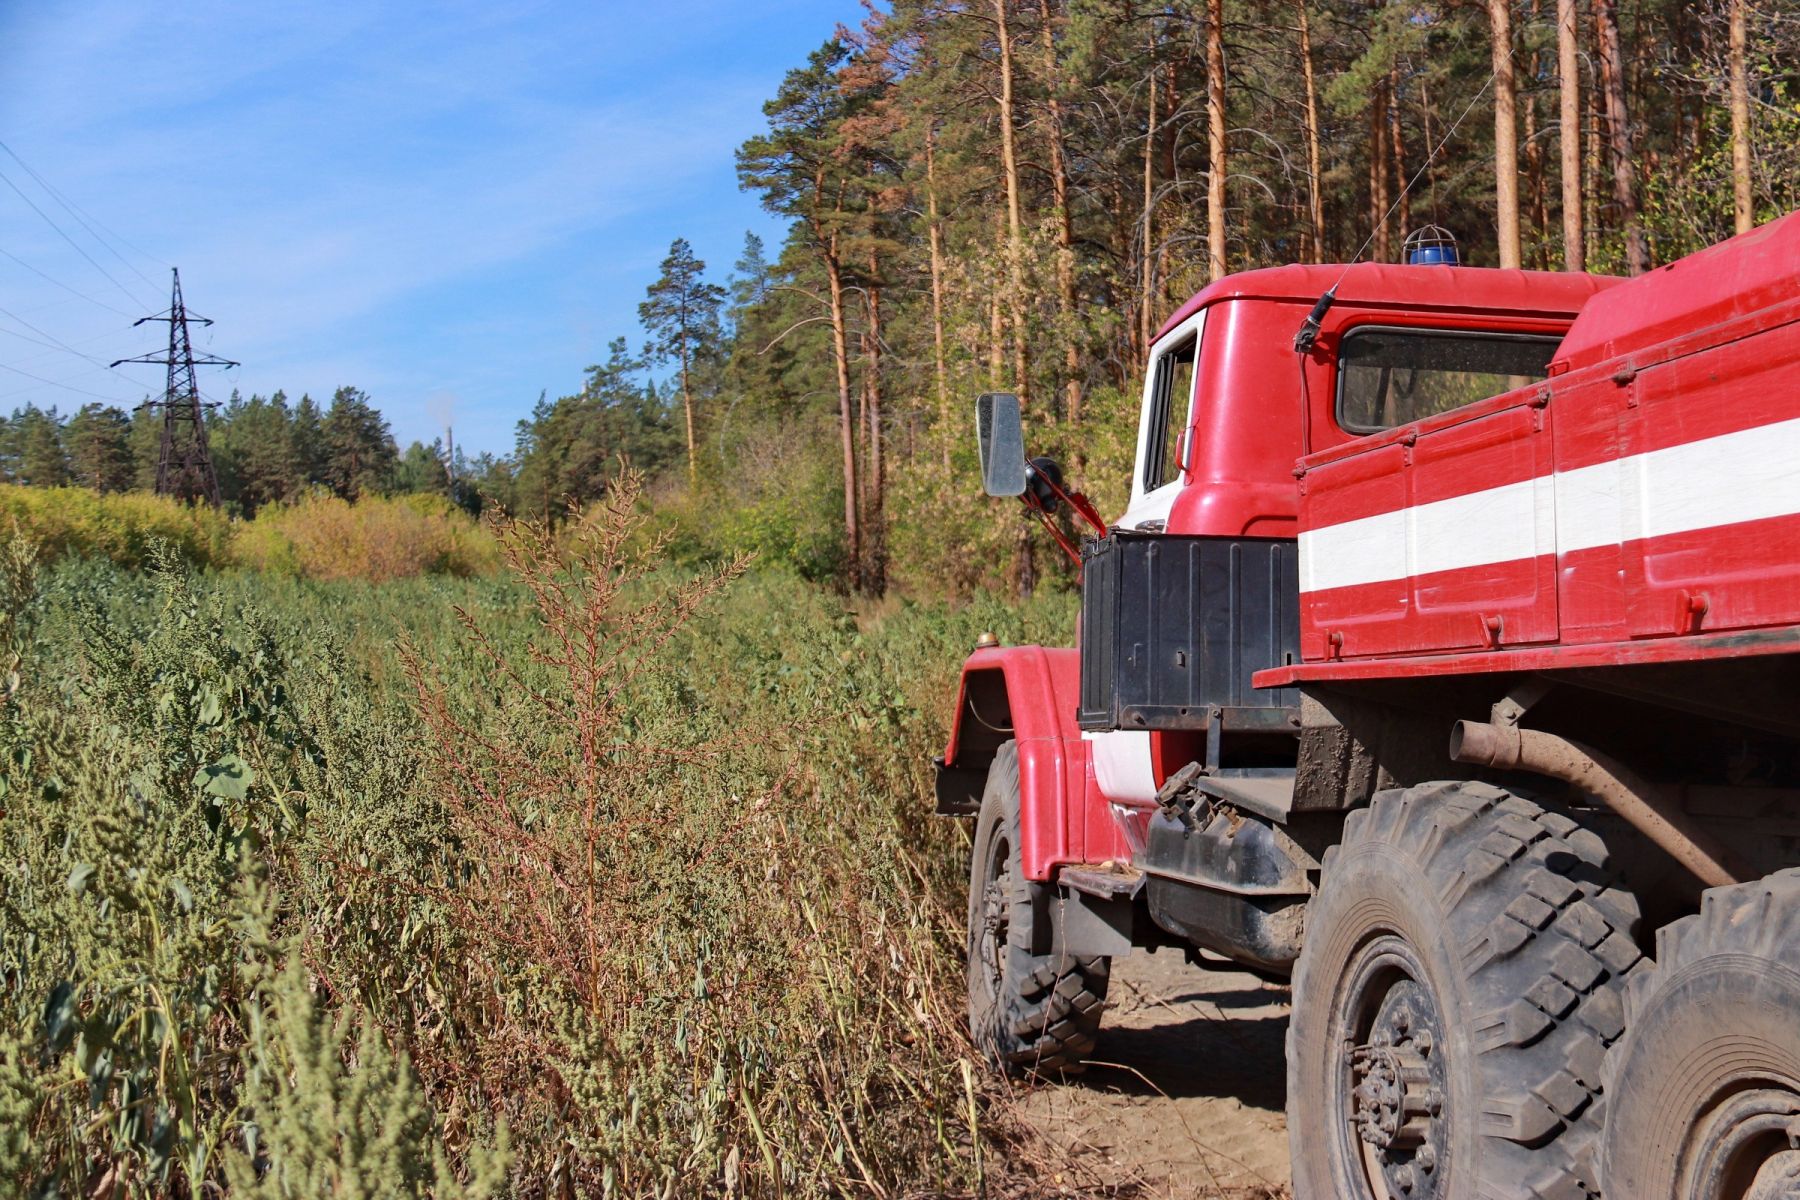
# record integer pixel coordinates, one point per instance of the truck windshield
(1388, 377)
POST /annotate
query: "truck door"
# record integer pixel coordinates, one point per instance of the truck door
(1164, 428)
(1708, 488)
(1447, 535)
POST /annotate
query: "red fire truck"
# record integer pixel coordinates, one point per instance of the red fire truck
(1446, 663)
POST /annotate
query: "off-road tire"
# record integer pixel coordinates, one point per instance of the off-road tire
(1501, 914)
(1030, 1013)
(1704, 1088)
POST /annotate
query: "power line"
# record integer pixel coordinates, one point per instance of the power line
(82, 216)
(65, 384)
(4, 178)
(65, 287)
(54, 342)
(66, 387)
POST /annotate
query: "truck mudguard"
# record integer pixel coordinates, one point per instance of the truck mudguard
(1028, 695)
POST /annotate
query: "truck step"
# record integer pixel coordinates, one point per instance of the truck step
(1104, 881)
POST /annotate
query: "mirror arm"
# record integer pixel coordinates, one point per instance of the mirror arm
(1074, 500)
(1078, 502)
(1068, 547)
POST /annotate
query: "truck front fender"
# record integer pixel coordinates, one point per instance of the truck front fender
(1028, 695)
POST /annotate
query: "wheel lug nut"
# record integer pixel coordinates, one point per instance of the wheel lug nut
(1405, 1179)
(1426, 1158)
(1423, 1041)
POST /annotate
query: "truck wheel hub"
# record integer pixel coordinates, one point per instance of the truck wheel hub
(1392, 1096)
(1397, 1079)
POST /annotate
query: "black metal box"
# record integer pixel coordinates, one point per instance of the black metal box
(1173, 627)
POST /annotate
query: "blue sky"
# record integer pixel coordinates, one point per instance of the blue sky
(452, 206)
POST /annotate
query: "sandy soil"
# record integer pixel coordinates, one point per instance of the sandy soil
(1186, 1095)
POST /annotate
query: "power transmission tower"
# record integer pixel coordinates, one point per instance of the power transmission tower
(184, 466)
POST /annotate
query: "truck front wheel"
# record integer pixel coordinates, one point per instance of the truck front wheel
(1460, 982)
(1030, 1013)
(1703, 1091)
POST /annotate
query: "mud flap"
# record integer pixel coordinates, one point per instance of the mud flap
(1086, 926)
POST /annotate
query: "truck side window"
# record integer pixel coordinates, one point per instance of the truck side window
(1171, 398)
(1390, 376)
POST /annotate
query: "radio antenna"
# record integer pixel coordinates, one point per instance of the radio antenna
(1309, 328)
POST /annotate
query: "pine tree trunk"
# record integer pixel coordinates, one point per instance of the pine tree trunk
(874, 523)
(1015, 239)
(1215, 139)
(846, 419)
(1742, 202)
(1618, 136)
(1146, 307)
(1315, 196)
(997, 327)
(1397, 134)
(1065, 226)
(1568, 69)
(1506, 134)
(935, 235)
(1378, 172)
(1534, 156)
(1593, 154)
(687, 409)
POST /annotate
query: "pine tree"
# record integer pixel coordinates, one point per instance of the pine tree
(681, 314)
(99, 445)
(422, 471)
(311, 455)
(360, 450)
(37, 453)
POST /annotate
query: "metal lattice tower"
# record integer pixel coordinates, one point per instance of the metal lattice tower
(184, 466)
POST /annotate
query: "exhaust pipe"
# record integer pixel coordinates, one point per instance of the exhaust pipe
(1653, 811)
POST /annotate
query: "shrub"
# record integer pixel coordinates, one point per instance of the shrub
(684, 965)
(377, 538)
(118, 526)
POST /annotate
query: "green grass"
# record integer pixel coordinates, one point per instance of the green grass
(598, 880)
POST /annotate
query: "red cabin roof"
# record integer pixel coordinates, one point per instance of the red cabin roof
(1450, 289)
(1738, 276)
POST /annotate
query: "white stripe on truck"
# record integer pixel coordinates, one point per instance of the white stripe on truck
(1749, 475)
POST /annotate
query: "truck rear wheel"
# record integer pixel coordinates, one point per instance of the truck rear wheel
(1461, 979)
(1703, 1091)
(1030, 1013)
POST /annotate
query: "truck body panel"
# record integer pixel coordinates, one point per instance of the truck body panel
(1647, 495)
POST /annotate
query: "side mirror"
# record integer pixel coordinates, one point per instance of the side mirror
(1002, 443)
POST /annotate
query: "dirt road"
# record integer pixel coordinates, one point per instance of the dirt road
(1185, 1100)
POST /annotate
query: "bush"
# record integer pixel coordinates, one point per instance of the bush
(117, 526)
(377, 538)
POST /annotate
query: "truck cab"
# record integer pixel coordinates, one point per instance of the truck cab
(1443, 664)
(1194, 588)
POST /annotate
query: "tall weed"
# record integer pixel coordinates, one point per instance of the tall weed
(617, 882)
(147, 1023)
